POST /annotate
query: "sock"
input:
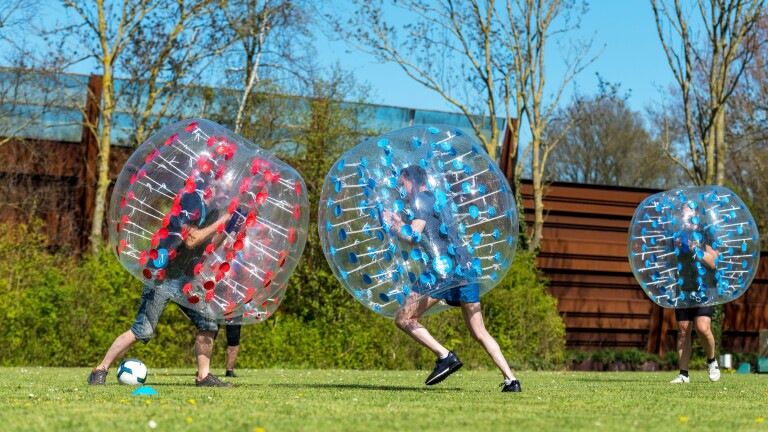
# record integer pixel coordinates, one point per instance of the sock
(710, 361)
(443, 357)
(684, 373)
(508, 382)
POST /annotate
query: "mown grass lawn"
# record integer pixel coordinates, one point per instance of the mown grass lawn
(338, 400)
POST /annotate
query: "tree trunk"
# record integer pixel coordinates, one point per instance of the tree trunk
(102, 167)
(721, 147)
(538, 197)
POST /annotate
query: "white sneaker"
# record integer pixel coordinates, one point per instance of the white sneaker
(682, 379)
(714, 371)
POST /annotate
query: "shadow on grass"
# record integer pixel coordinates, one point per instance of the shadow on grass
(608, 380)
(363, 387)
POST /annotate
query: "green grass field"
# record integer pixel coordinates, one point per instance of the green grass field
(338, 400)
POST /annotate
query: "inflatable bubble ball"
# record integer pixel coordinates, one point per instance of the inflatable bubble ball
(209, 218)
(421, 211)
(694, 246)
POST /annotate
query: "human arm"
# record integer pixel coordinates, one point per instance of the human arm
(396, 224)
(710, 255)
(197, 236)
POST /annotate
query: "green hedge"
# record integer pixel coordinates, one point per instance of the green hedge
(59, 310)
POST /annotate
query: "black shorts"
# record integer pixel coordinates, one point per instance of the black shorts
(689, 314)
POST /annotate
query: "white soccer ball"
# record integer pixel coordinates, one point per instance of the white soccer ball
(132, 372)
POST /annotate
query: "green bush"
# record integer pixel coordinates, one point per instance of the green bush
(60, 310)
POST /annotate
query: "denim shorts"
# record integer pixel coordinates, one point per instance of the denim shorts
(153, 303)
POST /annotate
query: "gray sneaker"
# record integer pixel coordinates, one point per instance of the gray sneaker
(212, 381)
(97, 377)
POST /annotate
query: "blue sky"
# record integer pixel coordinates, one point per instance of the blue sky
(625, 30)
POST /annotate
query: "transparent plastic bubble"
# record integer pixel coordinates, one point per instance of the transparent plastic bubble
(421, 211)
(207, 215)
(694, 246)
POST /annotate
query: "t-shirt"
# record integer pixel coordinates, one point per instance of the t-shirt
(443, 256)
(195, 213)
(693, 270)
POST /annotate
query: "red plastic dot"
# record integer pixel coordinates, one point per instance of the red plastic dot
(291, 235)
(190, 127)
(224, 267)
(171, 139)
(193, 299)
(261, 197)
(147, 274)
(209, 285)
(211, 141)
(297, 188)
(153, 254)
(187, 289)
(238, 245)
(209, 295)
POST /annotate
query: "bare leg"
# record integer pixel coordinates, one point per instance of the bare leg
(684, 343)
(232, 356)
(473, 318)
(203, 351)
(707, 339)
(407, 320)
(119, 347)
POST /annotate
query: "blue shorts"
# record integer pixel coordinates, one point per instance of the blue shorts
(153, 303)
(462, 294)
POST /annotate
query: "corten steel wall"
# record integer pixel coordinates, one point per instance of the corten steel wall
(584, 256)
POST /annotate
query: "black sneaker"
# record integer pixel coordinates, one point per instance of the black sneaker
(230, 373)
(514, 386)
(443, 368)
(212, 381)
(97, 377)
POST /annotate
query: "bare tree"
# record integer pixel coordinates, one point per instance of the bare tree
(528, 26)
(265, 35)
(171, 48)
(607, 144)
(707, 71)
(747, 133)
(115, 35)
(494, 49)
(449, 47)
(14, 15)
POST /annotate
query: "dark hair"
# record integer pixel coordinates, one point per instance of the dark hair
(416, 174)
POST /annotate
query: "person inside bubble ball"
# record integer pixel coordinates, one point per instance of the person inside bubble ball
(201, 219)
(697, 260)
(426, 222)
